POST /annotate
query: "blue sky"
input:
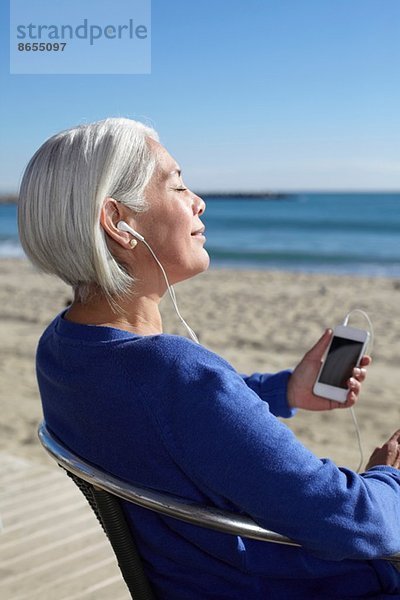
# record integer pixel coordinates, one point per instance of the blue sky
(246, 95)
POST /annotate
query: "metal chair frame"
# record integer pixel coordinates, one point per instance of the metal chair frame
(102, 491)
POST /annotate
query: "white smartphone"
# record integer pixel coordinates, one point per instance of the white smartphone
(344, 353)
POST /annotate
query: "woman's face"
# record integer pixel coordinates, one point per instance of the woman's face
(170, 223)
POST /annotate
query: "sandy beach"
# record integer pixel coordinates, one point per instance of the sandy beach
(257, 320)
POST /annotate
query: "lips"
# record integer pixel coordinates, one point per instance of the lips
(199, 231)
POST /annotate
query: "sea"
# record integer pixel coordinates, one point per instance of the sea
(352, 233)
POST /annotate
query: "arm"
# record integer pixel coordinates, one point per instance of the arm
(227, 441)
(272, 389)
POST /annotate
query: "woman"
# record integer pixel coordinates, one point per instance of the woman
(104, 207)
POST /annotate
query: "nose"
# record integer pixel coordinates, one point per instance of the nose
(199, 206)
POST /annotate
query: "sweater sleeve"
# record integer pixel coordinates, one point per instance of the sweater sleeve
(220, 432)
(272, 389)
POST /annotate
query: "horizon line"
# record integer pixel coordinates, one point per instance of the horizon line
(12, 198)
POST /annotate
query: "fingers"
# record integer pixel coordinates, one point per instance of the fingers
(392, 448)
(352, 396)
(388, 454)
(365, 361)
(396, 463)
(351, 399)
(360, 372)
(395, 437)
(354, 386)
(392, 443)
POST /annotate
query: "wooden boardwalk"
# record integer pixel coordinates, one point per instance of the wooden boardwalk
(51, 546)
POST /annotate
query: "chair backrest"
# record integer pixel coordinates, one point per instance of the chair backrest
(167, 504)
(109, 513)
(102, 489)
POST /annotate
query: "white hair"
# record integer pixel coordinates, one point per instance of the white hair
(62, 193)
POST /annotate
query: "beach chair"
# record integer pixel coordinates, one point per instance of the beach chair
(103, 492)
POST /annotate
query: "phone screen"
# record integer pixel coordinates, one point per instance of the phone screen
(342, 357)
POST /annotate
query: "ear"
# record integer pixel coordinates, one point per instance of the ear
(111, 213)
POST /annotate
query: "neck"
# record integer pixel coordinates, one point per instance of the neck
(140, 314)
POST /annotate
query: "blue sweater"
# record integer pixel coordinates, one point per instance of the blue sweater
(164, 412)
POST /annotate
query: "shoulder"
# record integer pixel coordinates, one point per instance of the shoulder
(185, 356)
(185, 371)
(183, 361)
(197, 379)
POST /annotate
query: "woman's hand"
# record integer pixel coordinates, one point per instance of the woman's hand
(388, 454)
(300, 387)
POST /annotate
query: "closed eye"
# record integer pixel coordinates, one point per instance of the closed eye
(180, 189)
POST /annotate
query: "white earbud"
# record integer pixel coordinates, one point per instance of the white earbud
(122, 226)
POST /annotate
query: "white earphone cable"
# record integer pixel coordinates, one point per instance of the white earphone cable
(171, 292)
(353, 414)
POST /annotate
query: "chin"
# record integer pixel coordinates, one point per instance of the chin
(192, 271)
(205, 262)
